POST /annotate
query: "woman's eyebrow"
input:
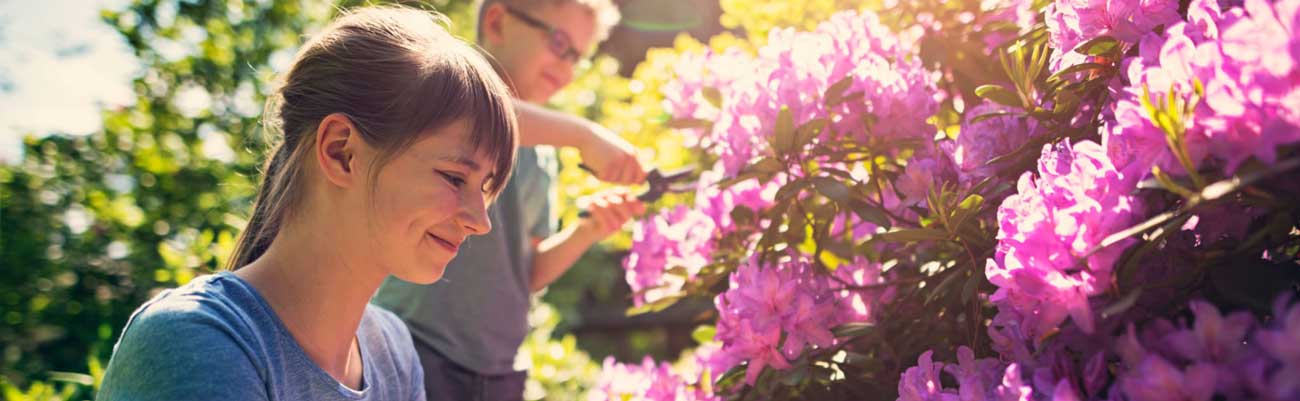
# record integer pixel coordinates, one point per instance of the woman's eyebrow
(457, 159)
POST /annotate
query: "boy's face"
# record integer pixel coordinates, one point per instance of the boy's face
(535, 59)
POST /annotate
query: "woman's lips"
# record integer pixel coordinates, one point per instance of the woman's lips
(448, 245)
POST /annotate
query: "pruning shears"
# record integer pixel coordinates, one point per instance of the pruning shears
(661, 182)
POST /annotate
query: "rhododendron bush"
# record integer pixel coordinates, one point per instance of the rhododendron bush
(997, 200)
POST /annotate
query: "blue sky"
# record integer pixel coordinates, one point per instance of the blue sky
(59, 65)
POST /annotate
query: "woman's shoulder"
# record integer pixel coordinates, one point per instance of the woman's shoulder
(214, 298)
(192, 342)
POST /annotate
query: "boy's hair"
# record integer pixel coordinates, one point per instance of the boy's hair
(605, 11)
(397, 74)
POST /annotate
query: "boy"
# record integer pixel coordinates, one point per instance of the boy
(468, 326)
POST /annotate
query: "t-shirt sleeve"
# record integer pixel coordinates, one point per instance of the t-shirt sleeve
(548, 165)
(180, 351)
(544, 226)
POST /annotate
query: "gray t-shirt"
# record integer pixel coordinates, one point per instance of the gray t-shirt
(216, 338)
(477, 314)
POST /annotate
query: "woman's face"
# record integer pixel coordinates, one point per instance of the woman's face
(425, 202)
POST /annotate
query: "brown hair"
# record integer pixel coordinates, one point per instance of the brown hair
(396, 73)
(606, 13)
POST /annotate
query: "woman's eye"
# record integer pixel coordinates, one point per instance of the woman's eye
(454, 180)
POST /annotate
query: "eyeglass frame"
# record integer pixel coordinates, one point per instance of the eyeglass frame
(558, 41)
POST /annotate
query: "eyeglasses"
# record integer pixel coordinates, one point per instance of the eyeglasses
(557, 41)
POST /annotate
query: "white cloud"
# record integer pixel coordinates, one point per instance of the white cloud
(64, 65)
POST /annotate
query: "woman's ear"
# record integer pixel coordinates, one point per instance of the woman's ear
(491, 24)
(337, 143)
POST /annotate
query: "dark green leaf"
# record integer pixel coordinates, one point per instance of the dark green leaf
(913, 235)
(853, 329)
(832, 189)
(809, 130)
(835, 93)
(870, 213)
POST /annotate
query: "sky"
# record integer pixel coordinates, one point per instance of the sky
(59, 66)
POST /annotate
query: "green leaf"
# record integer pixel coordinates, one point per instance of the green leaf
(853, 329)
(1253, 283)
(834, 95)
(783, 135)
(704, 334)
(1060, 75)
(768, 166)
(986, 116)
(1123, 304)
(713, 96)
(913, 235)
(656, 306)
(967, 208)
(742, 215)
(809, 130)
(999, 94)
(869, 212)
(832, 189)
(1097, 46)
(689, 123)
(1066, 103)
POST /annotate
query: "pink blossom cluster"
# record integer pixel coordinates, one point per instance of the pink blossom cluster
(679, 237)
(647, 381)
(1017, 13)
(1230, 357)
(1047, 265)
(977, 380)
(1245, 60)
(684, 237)
(1073, 22)
(795, 69)
(765, 301)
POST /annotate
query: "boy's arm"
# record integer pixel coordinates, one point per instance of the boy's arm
(556, 254)
(612, 158)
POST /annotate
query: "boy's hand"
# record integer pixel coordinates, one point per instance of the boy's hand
(609, 211)
(612, 158)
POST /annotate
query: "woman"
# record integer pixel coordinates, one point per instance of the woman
(396, 138)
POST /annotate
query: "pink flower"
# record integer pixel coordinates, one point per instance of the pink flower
(977, 380)
(764, 302)
(794, 70)
(1073, 22)
(1250, 101)
(680, 237)
(979, 142)
(1043, 267)
(645, 382)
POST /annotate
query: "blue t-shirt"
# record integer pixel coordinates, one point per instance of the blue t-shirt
(216, 338)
